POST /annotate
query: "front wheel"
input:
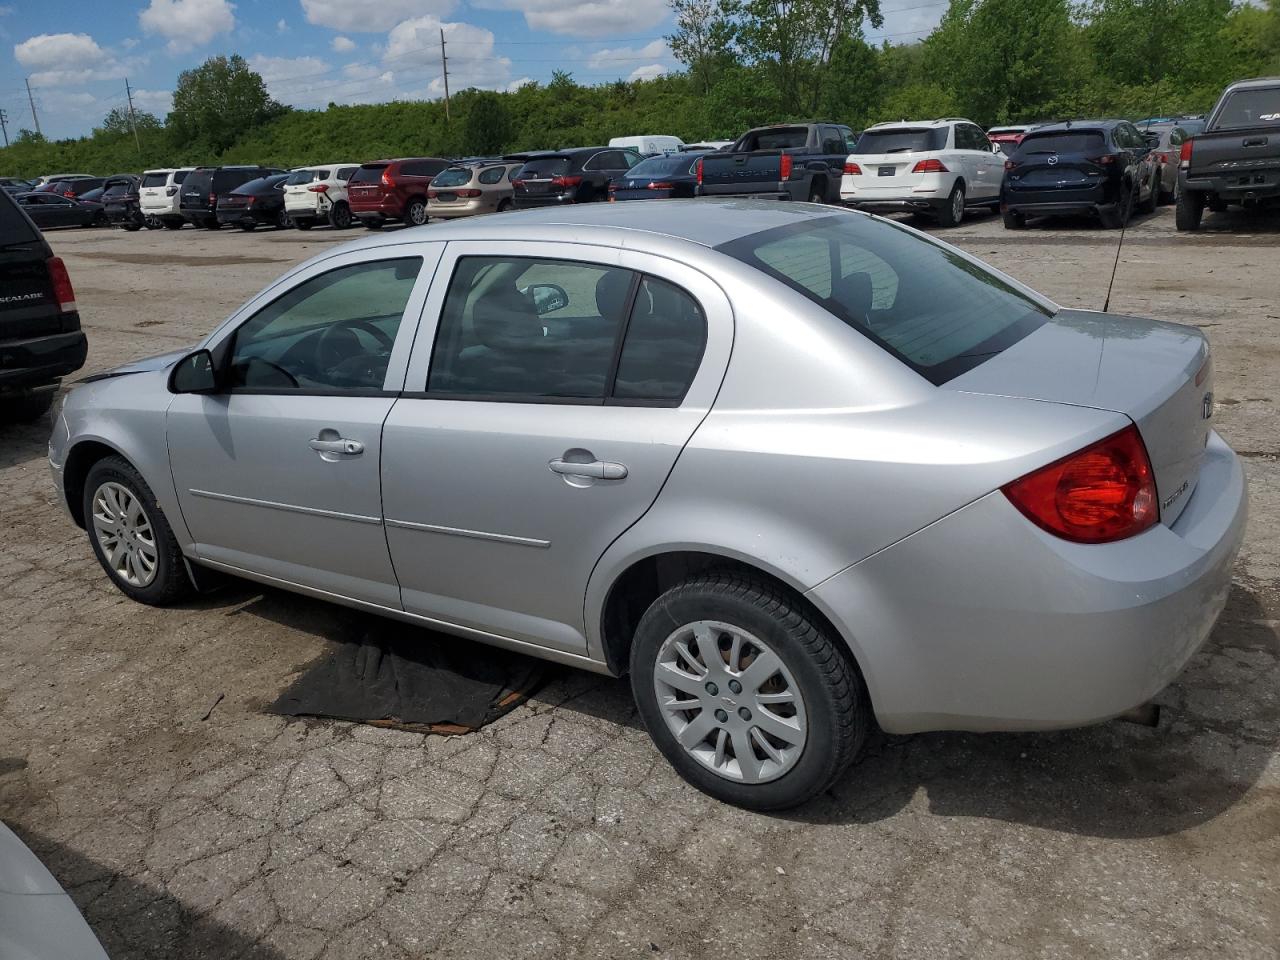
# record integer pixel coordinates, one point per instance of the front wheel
(416, 212)
(952, 213)
(745, 693)
(130, 535)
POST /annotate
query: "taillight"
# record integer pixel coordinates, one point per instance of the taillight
(852, 170)
(469, 194)
(565, 181)
(1010, 165)
(319, 188)
(213, 197)
(69, 194)
(170, 191)
(660, 185)
(62, 291)
(517, 183)
(1184, 155)
(784, 167)
(1102, 493)
(433, 194)
(699, 171)
(930, 166)
(1104, 161)
(387, 179)
(1161, 157)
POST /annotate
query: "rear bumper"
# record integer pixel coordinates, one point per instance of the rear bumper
(532, 201)
(1244, 187)
(199, 215)
(40, 360)
(982, 621)
(246, 216)
(448, 211)
(1030, 202)
(773, 191)
(386, 209)
(161, 209)
(893, 203)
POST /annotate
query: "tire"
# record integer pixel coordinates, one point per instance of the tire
(818, 192)
(169, 582)
(1013, 220)
(172, 224)
(212, 225)
(303, 224)
(952, 213)
(248, 226)
(132, 227)
(504, 206)
(829, 711)
(282, 220)
(415, 212)
(1149, 205)
(26, 407)
(372, 224)
(1189, 210)
(340, 216)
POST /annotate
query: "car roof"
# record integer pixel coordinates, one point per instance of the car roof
(1066, 125)
(918, 124)
(1253, 83)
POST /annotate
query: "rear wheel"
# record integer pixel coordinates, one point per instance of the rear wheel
(1013, 220)
(26, 407)
(172, 224)
(1189, 211)
(282, 220)
(1153, 198)
(372, 224)
(504, 206)
(952, 212)
(818, 192)
(340, 216)
(745, 694)
(415, 214)
(302, 224)
(212, 225)
(131, 225)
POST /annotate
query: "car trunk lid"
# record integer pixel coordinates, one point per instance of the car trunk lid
(1053, 161)
(1157, 374)
(28, 304)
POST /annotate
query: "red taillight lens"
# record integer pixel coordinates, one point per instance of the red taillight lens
(69, 194)
(213, 197)
(852, 170)
(784, 167)
(1104, 492)
(1161, 157)
(1104, 161)
(1184, 155)
(699, 172)
(565, 181)
(469, 194)
(517, 183)
(660, 185)
(62, 291)
(387, 179)
(433, 194)
(930, 166)
(1010, 165)
(319, 188)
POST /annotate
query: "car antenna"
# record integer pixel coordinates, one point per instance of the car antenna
(1106, 304)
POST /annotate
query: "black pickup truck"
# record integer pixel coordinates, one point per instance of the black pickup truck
(1236, 158)
(787, 161)
(40, 336)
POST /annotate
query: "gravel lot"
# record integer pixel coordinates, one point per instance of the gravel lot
(559, 831)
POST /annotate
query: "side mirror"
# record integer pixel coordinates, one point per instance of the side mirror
(997, 148)
(548, 297)
(1152, 141)
(194, 373)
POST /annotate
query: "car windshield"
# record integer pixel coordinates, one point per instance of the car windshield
(154, 179)
(543, 168)
(453, 177)
(902, 140)
(933, 309)
(669, 166)
(1250, 108)
(14, 227)
(1087, 142)
(299, 177)
(369, 173)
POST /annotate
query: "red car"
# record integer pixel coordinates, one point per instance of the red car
(1006, 138)
(393, 190)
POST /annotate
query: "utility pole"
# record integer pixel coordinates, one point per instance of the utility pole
(128, 92)
(32, 100)
(444, 67)
(3, 120)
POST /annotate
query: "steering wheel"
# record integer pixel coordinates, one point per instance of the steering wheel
(338, 342)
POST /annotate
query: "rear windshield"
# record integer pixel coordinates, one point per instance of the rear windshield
(14, 226)
(1250, 108)
(902, 140)
(668, 166)
(369, 173)
(1090, 143)
(777, 139)
(937, 312)
(180, 176)
(453, 177)
(154, 179)
(302, 176)
(117, 190)
(542, 168)
(199, 180)
(229, 179)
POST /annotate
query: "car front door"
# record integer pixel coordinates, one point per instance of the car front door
(277, 472)
(541, 417)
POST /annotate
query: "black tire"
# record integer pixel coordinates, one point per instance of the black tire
(952, 213)
(835, 702)
(1153, 198)
(132, 227)
(248, 226)
(372, 224)
(1013, 220)
(171, 583)
(172, 224)
(303, 224)
(340, 216)
(504, 206)
(818, 191)
(415, 212)
(282, 220)
(1189, 211)
(212, 225)
(26, 407)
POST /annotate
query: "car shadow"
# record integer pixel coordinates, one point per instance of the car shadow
(1242, 220)
(24, 442)
(135, 920)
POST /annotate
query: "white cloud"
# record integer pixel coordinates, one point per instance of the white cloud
(159, 102)
(584, 18)
(188, 23)
(472, 60)
(312, 82)
(649, 72)
(624, 55)
(287, 68)
(282, 25)
(63, 59)
(342, 44)
(75, 100)
(372, 17)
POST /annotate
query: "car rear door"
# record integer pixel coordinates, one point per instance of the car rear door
(527, 439)
(987, 168)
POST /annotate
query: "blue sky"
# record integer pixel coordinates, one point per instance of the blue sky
(77, 53)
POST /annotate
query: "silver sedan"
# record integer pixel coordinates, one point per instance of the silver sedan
(797, 470)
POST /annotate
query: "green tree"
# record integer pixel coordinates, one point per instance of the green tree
(219, 101)
(705, 38)
(117, 123)
(488, 127)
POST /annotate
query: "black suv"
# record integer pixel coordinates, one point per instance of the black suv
(1099, 167)
(40, 336)
(204, 185)
(579, 175)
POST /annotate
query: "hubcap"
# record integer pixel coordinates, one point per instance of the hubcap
(730, 701)
(124, 533)
(418, 214)
(957, 206)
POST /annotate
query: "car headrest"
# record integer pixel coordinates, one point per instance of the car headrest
(611, 293)
(504, 318)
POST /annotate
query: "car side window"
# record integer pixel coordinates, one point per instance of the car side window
(978, 140)
(964, 138)
(831, 141)
(345, 173)
(492, 175)
(665, 338)
(597, 162)
(333, 332)
(526, 329)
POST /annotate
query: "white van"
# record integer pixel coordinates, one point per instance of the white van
(650, 145)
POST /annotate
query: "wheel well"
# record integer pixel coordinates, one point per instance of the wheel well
(80, 460)
(819, 181)
(645, 580)
(960, 183)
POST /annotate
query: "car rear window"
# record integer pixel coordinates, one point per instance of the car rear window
(1089, 142)
(453, 177)
(225, 180)
(934, 310)
(1250, 108)
(667, 166)
(14, 226)
(180, 176)
(543, 168)
(299, 177)
(199, 180)
(154, 179)
(780, 138)
(369, 173)
(116, 190)
(902, 140)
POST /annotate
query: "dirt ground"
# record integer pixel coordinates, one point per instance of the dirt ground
(559, 831)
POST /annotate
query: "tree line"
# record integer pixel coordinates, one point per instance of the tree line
(746, 62)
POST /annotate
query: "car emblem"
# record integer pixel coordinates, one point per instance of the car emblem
(1053, 159)
(1206, 409)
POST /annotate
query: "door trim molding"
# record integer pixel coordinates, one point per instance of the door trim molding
(288, 507)
(473, 534)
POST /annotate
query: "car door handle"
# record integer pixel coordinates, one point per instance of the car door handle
(351, 448)
(596, 470)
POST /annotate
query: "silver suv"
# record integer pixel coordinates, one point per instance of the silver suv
(792, 467)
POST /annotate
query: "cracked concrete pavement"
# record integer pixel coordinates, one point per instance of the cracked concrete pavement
(559, 831)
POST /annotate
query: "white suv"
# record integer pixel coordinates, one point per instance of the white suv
(158, 197)
(318, 194)
(936, 167)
